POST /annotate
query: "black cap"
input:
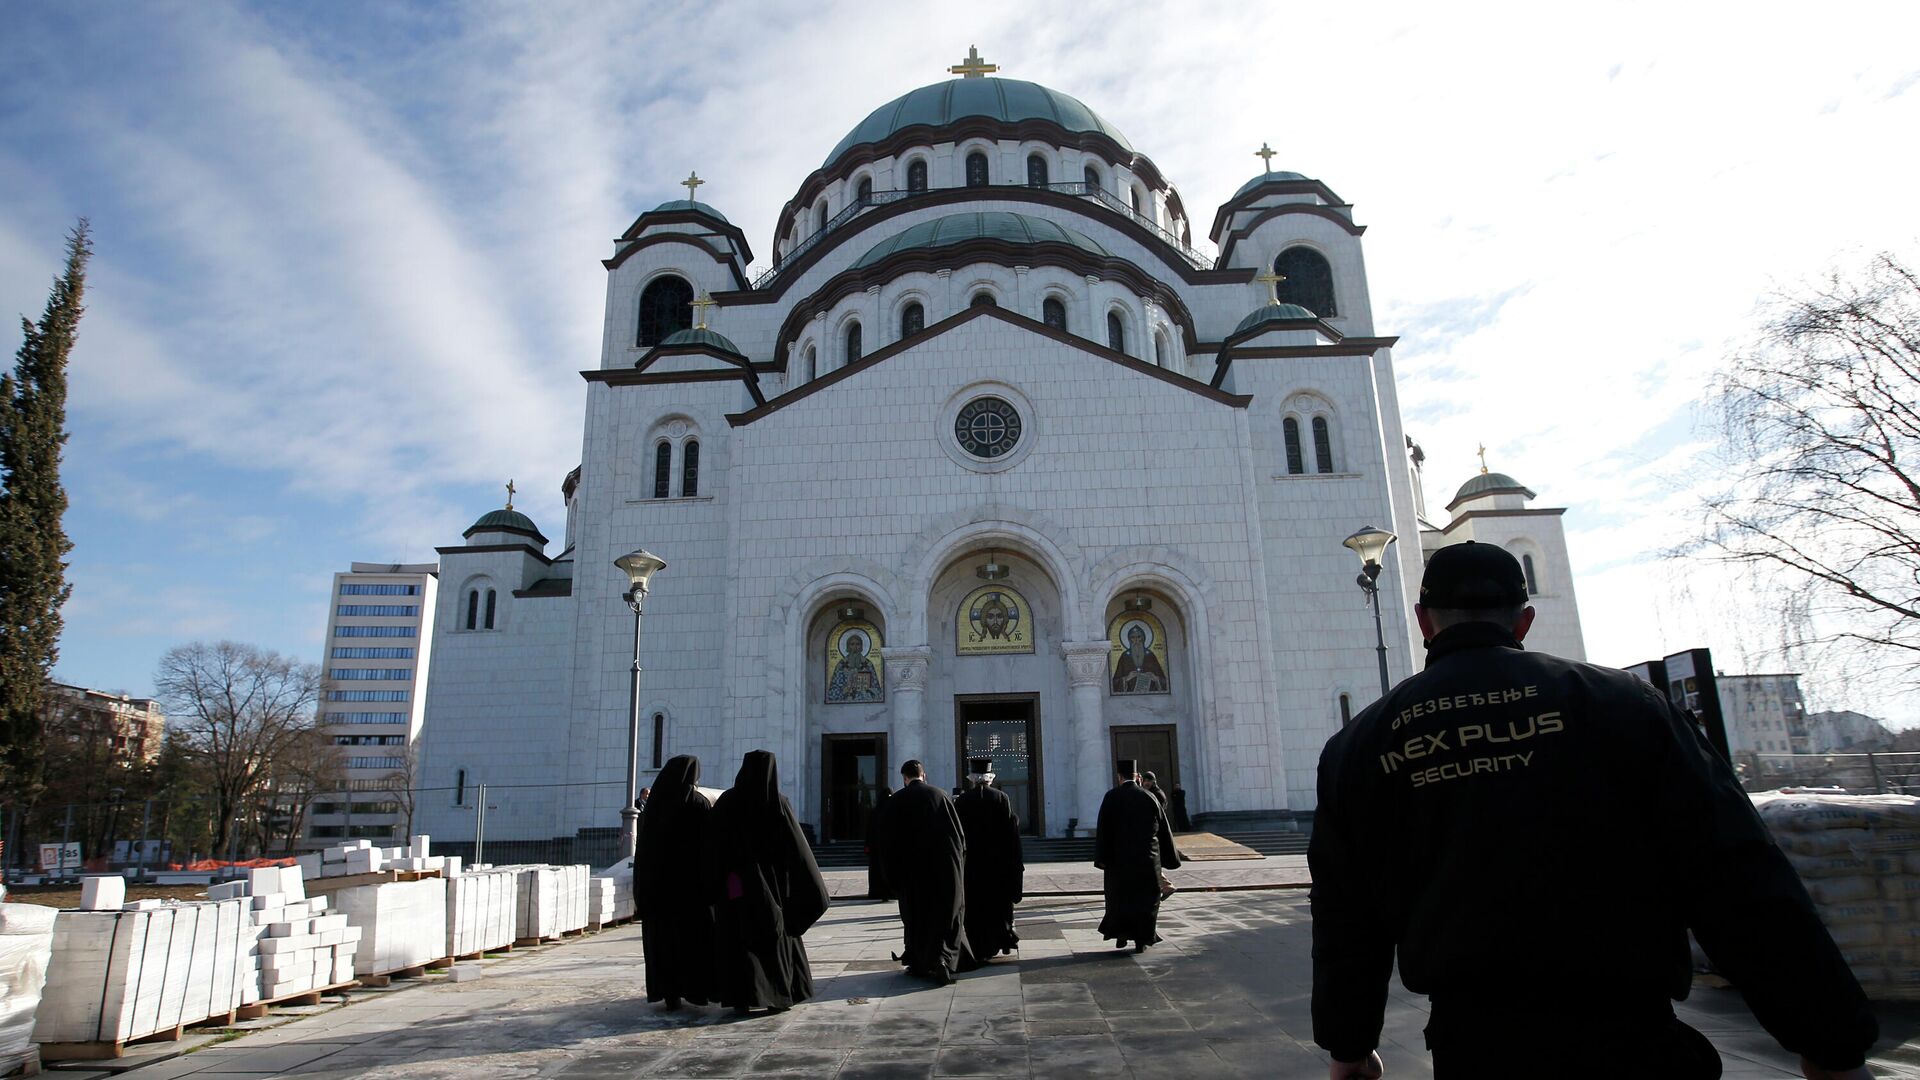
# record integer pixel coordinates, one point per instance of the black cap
(980, 765)
(1126, 766)
(1472, 576)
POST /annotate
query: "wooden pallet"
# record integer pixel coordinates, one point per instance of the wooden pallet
(527, 941)
(307, 997)
(414, 972)
(222, 1019)
(103, 1050)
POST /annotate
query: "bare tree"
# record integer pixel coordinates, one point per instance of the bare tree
(309, 765)
(400, 783)
(239, 708)
(1821, 429)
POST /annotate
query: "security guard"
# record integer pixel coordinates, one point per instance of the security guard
(1534, 837)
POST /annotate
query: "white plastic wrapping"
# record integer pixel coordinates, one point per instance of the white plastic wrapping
(26, 947)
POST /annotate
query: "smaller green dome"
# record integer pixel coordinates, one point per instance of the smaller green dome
(1487, 484)
(505, 521)
(700, 336)
(1264, 178)
(1274, 312)
(981, 225)
(686, 206)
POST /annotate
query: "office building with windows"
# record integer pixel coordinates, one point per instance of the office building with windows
(379, 640)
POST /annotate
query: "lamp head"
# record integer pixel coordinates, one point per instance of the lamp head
(640, 566)
(1371, 545)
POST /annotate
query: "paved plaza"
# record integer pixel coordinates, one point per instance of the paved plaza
(1225, 996)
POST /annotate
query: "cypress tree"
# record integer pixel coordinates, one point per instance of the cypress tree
(33, 545)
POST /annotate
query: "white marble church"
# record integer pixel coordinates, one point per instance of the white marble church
(992, 461)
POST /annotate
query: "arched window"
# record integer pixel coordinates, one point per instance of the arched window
(1309, 281)
(659, 737)
(1053, 313)
(820, 217)
(1133, 200)
(912, 320)
(813, 364)
(976, 169)
(666, 305)
(865, 194)
(662, 471)
(473, 609)
(983, 298)
(853, 342)
(1092, 176)
(690, 469)
(492, 600)
(1036, 171)
(1160, 349)
(1116, 332)
(917, 176)
(1346, 709)
(1322, 445)
(1296, 461)
(1533, 583)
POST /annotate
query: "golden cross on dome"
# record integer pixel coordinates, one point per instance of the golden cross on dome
(700, 307)
(1266, 155)
(510, 490)
(1272, 281)
(1483, 459)
(973, 67)
(691, 182)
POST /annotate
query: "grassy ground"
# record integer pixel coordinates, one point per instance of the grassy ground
(68, 896)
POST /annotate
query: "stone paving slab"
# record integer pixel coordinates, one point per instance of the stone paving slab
(1081, 879)
(1226, 995)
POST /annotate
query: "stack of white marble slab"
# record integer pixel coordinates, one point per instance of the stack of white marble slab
(304, 945)
(121, 975)
(480, 910)
(402, 924)
(26, 946)
(552, 900)
(362, 857)
(600, 901)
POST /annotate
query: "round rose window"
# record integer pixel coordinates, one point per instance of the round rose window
(987, 427)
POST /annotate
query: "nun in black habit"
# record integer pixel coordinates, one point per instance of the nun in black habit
(923, 847)
(767, 892)
(669, 891)
(995, 871)
(1132, 846)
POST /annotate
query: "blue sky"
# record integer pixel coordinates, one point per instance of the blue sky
(347, 254)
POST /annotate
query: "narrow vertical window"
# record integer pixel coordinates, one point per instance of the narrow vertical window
(662, 471)
(1160, 349)
(853, 343)
(1346, 709)
(983, 298)
(1296, 462)
(865, 192)
(473, 608)
(1533, 583)
(690, 469)
(917, 176)
(659, 737)
(492, 597)
(1322, 445)
(1053, 313)
(912, 320)
(1092, 176)
(976, 169)
(1133, 200)
(459, 787)
(813, 364)
(820, 217)
(1116, 333)
(1036, 171)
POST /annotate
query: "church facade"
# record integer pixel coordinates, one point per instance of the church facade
(991, 462)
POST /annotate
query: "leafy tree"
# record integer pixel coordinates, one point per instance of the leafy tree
(33, 545)
(1821, 437)
(239, 711)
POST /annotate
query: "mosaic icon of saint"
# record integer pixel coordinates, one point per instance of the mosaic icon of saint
(993, 620)
(1138, 670)
(854, 676)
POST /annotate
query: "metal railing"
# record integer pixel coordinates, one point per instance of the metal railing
(1094, 192)
(1873, 773)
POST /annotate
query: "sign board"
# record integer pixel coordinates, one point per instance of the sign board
(60, 857)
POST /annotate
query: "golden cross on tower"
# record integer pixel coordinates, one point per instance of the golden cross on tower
(1272, 281)
(1483, 459)
(691, 182)
(700, 307)
(973, 67)
(510, 490)
(1266, 155)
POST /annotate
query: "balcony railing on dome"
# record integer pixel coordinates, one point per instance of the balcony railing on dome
(1082, 189)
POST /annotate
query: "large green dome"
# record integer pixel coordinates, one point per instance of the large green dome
(1264, 178)
(512, 521)
(701, 336)
(980, 225)
(683, 205)
(1274, 312)
(1486, 484)
(943, 103)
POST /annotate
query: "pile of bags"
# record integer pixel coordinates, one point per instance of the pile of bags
(1859, 856)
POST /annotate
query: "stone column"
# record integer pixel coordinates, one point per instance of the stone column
(1087, 675)
(944, 293)
(1018, 301)
(907, 693)
(1096, 315)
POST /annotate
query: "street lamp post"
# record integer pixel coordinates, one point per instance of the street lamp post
(1371, 545)
(640, 566)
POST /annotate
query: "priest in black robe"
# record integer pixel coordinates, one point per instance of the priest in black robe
(995, 871)
(924, 849)
(669, 891)
(1132, 846)
(767, 892)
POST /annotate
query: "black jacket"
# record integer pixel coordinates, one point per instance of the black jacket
(1535, 836)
